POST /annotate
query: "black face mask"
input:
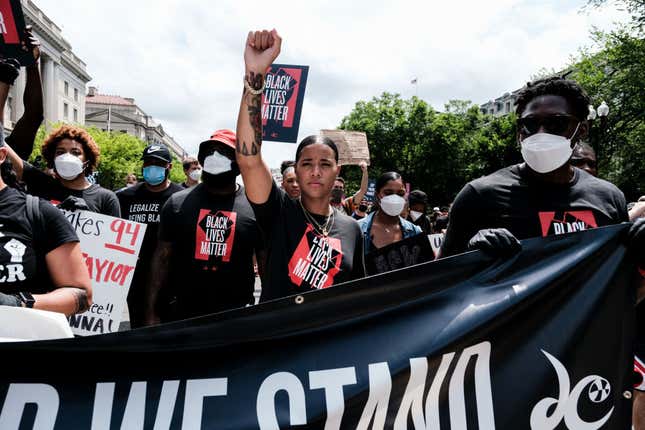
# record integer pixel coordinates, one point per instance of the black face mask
(336, 195)
(362, 208)
(222, 180)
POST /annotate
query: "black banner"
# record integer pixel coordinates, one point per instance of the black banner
(284, 93)
(539, 341)
(12, 32)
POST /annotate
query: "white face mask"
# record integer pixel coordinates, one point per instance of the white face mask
(195, 174)
(545, 152)
(68, 166)
(393, 204)
(217, 163)
(415, 215)
(129, 185)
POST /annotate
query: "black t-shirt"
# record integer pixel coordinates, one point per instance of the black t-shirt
(300, 259)
(528, 207)
(213, 240)
(40, 184)
(142, 205)
(23, 246)
(424, 224)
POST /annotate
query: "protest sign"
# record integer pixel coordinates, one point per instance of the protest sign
(436, 240)
(110, 247)
(371, 190)
(397, 255)
(284, 93)
(352, 146)
(542, 340)
(12, 32)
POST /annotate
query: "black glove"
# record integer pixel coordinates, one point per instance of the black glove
(9, 70)
(10, 300)
(496, 241)
(72, 203)
(636, 243)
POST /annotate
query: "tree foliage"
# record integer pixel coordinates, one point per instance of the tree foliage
(120, 155)
(437, 152)
(615, 73)
(440, 151)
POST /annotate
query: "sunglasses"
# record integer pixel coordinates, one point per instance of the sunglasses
(579, 162)
(553, 124)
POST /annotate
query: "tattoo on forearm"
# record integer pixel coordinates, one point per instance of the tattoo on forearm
(82, 304)
(254, 109)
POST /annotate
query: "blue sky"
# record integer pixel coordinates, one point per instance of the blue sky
(182, 60)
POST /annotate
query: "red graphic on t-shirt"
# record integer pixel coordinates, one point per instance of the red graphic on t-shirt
(215, 235)
(315, 261)
(561, 222)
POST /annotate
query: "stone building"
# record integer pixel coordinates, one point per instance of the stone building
(63, 74)
(121, 114)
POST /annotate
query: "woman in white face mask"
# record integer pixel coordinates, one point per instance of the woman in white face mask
(73, 155)
(386, 225)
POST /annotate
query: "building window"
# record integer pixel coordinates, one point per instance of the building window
(75, 115)
(508, 107)
(75, 94)
(66, 88)
(65, 110)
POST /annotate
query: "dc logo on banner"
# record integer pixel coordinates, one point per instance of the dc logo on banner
(599, 390)
(567, 402)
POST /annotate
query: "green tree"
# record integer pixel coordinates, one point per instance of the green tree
(615, 73)
(437, 152)
(120, 155)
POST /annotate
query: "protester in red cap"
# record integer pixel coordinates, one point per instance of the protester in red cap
(142, 203)
(207, 238)
(310, 245)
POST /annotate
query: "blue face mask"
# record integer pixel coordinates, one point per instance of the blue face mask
(154, 175)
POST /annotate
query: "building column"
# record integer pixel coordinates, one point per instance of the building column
(49, 88)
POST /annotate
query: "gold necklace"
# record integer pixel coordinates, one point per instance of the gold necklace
(324, 229)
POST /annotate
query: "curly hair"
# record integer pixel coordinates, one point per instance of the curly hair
(556, 86)
(77, 134)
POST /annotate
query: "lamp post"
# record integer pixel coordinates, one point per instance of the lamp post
(603, 111)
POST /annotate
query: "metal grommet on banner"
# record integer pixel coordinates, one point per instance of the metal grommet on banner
(627, 394)
(299, 300)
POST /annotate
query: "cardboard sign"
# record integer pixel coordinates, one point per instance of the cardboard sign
(404, 253)
(352, 146)
(12, 32)
(110, 247)
(284, 92)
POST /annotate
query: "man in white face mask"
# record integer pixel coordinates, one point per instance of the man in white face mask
(192, 170)
(543, 196)
(207, 238)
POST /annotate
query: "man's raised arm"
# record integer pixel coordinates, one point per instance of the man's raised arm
(261, 49)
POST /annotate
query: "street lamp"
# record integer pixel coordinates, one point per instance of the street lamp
(592, 113)
(603, 110)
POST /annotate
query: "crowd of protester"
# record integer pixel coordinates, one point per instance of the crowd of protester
(209, 238)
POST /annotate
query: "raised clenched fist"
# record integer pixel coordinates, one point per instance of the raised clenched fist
(262, 48)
